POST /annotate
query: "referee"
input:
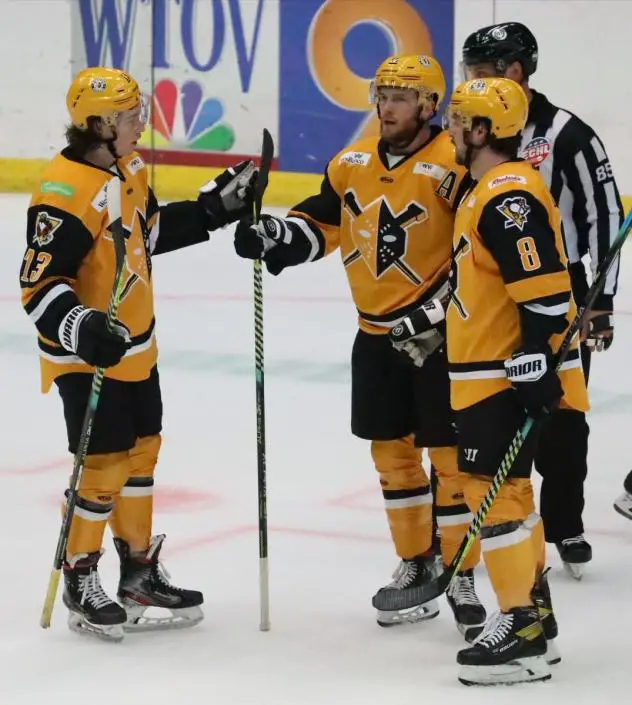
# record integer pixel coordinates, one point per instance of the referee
(575, 166)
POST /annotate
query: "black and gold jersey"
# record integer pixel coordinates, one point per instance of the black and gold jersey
(509, 284)
(391, 218)
(69, 258)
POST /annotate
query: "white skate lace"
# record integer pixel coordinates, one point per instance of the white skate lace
(574, 539)
(497, 628)
(404, 575)
(462, 590)
(92, 591)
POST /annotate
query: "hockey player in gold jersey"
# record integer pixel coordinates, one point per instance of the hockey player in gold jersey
(510, 305)
(386, 204)
(67, 276)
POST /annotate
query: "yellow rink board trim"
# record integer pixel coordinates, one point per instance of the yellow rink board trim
(173, 183)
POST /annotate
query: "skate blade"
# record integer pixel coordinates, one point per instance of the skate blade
(137, 621)
(106, 632)
(553, 655)
(624, 509)
(420, 613)
(524, 670)
(575, 570)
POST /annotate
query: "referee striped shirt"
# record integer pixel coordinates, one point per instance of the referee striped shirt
(576, 168)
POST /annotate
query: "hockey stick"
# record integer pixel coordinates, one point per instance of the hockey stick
(267, 152)
(113, 194)
(439, 585)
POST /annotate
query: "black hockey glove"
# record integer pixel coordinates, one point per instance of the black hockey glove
(532, 374)
(600, 331)
(84, 332)
(255, 241)
(418, 335)
(230, 196)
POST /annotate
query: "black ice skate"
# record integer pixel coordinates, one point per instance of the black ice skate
(541, 596)
(623, 503)
(145, 584)
(510, 650)
(575, 552)
(468, 611)
(398, 602)
(91, 611)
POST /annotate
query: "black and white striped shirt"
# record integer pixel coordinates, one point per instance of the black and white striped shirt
(576, 168)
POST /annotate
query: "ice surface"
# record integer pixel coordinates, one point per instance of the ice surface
(329, 545)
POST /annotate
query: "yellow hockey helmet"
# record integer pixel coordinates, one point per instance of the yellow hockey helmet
(500, 100)
(101, 92)
(421, 73)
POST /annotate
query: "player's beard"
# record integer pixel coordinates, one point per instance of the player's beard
(402, 139)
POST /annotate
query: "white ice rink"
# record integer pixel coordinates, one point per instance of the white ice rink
(329, 543)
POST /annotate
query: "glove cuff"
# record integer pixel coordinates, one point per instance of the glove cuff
(68, 331)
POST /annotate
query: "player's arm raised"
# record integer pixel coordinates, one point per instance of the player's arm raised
(310, 231)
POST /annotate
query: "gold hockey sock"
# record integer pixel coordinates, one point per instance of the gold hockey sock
(101, 480)
(506, 541)
(131, 518)
(453, 514)
(407, 495)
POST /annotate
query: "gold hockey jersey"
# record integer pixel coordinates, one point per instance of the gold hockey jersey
(509, 282)
(391, 217)
(69, 259)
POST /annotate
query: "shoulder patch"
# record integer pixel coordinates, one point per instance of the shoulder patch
(136, 164)
(433, 170)
(355, 158)
(506, 179)
(536, 151)
(516, 211)
(45, 227)
(100, 201)
(57, 187)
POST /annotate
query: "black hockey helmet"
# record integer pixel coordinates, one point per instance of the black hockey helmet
(502, 44)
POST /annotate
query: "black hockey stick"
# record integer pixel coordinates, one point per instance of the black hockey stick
(113, 194)
(439, 585)
(267, 153)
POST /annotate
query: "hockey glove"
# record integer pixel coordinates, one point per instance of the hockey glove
(84, 331)
(532, 374)
(599, 331)
(229, 197)
(417, 335)
(254, 241)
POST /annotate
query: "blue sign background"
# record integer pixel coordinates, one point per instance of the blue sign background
(312, 127)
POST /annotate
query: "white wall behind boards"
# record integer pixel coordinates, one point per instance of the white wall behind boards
(584, 66)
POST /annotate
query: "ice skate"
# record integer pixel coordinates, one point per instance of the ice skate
(469, 613)
(145, 584)
(510, 650)
(398, 602)
(91, 611)
(575, 552)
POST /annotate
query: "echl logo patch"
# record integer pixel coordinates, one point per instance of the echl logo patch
(45, 227)
(536, 151)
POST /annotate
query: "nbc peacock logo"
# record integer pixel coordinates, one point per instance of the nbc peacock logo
(182, 118)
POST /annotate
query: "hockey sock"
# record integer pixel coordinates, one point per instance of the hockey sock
(453, 514)
(407, 495)
(131, 518)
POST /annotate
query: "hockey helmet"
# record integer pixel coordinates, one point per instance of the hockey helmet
(499, 100)
(421, 73)
(502, 44)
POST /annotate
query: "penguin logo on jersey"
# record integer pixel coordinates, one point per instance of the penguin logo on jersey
(515, 211)
(45, 227)
(380, 236)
